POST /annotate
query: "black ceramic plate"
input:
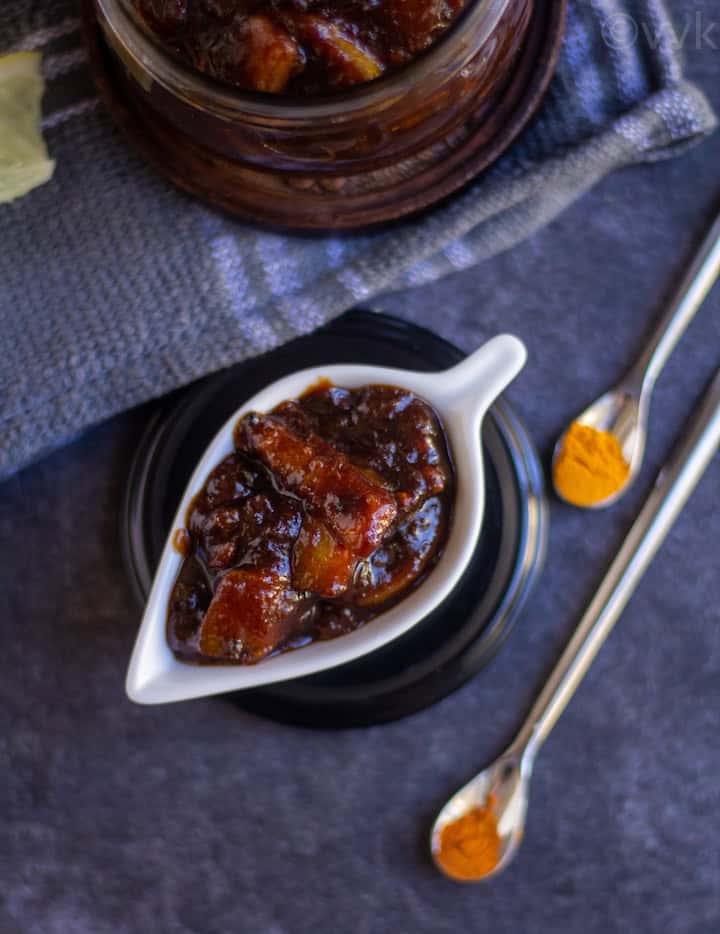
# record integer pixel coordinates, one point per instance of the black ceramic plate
(442, 651)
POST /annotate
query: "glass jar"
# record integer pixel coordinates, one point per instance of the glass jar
(361, 129)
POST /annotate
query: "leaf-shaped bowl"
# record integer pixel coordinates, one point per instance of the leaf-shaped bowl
(461, 396)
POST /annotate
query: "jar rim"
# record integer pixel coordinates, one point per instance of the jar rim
(458, 44)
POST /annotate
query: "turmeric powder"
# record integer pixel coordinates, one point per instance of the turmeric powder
(470, 846)
(590, 467)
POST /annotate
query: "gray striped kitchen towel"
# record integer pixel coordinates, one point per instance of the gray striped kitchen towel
(114, 286)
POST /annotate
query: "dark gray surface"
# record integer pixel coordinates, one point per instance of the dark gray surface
(199, 818)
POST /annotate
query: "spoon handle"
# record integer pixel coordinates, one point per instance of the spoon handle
(692, 292)
(674, 484)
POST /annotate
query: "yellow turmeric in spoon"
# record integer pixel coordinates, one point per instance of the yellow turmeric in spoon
(590, 466)
(470, 846)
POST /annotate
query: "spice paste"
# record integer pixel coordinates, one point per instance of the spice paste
(298, 47)
(330, 509)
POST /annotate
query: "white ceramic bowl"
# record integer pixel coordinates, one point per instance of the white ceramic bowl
(461, 396)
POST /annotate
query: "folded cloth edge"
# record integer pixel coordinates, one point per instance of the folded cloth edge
(529, 202)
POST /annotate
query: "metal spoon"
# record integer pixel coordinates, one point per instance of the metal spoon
(503, 786)
(623, 411)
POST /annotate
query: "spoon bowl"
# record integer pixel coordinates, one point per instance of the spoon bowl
(623, 412)
(503, 787)
(461, 396)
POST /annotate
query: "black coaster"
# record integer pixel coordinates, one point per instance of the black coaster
(442, 651)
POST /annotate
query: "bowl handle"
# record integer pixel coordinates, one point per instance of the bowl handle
(473, 385)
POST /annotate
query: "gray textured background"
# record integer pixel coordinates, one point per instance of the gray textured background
(199, 818)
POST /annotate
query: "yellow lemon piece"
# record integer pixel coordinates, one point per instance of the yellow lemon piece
(24, 161)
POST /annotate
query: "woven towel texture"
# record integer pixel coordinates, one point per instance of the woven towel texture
(115, 288)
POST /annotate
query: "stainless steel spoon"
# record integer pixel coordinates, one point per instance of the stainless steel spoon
(623, 411)
(503, 786)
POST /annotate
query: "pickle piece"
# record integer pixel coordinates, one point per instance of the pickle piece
(355, 509)
(252, 612)
(252, 52)
(415, 24)
(320, 564)
(347, 60)
(393, 568)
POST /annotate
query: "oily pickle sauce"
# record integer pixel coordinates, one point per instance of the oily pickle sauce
(297, 47)
(245, 518)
